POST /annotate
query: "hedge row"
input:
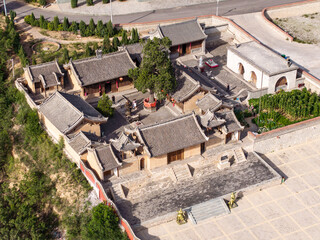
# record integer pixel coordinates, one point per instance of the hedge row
(100, 29)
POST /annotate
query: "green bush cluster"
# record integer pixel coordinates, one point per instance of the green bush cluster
(41, 2)
(86, 30)
(285, 108)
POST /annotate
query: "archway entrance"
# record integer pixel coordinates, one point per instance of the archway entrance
(254, 79)
(281, 84)
(241, 69)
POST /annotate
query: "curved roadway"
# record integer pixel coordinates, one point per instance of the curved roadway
(226, 8)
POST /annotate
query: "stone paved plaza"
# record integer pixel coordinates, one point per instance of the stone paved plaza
(290, 211)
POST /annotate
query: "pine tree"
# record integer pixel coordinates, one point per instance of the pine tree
(105, 106)
(89, 2)
(88, 51)
(115, 43)
(95, 46)
(105, 1)
(65, 55)
(155, 73)
(99, 28)
(74, 27)
(41, 21)
(74, 3)
(42, 2)
(91, 27)
(56, 23)
(65, 24)
(124, 39)
(82, 28)
(106, 47)
(109, 27)
(33, 19)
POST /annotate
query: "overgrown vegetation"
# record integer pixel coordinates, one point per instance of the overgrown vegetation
(285, 108)
(40, 2)
(32, 204)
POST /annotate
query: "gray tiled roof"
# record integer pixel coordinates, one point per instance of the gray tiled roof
(106, 157)
(173, 135)
(263, 58)
(186, 86)
(210, 120)
(209, 102)
(66, 111)
(232, 124)
(107, 67)
(46, 70)
(184, 32)
(135, 51)
(49, 80)
(82, 140)
(124, 143)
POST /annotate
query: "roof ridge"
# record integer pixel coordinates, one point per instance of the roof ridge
(41, 64)
(179, 23)
(107, 55)
(165, 122)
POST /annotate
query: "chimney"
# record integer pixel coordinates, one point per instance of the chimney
(99, 53)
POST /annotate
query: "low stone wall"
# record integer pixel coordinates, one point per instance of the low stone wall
(257, 93)
(288, 136)
(31, 103)
(311, 83)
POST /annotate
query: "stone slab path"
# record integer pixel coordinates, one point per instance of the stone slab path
(288, 211)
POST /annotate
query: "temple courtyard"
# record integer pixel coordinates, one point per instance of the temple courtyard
(289, 211)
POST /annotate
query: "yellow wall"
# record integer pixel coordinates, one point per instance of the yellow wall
(155, 162)
(190, 105)
(215, 141)
(192, 151)
(129, 166)
(94, 165)
(30, 83)
(53, 131)
(73, 81)
(123, 88)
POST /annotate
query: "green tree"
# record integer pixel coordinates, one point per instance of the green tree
(88, 51)
(43, 2)
(105, 1)
(33, 19)
(95, 46)
(115, 43)
(155, 72)
(124, 37)
(56, 23)
(109, 28)
(74, 3)
(89, 2)
(105, 106)
(134, 35)
(13, 14)
(65, 55)
(74, 27)
(82, 28)
(65, 24)
(106, 47)
(99, 29)
(103, 224)
(91, 27)
(41, 21)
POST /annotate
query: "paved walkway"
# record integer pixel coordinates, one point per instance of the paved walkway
(305, 55)
(290, 211)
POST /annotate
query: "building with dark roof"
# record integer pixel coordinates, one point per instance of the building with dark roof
(103, 161)
(165, 142)
(93, 76)
(262, 67)
(186, 37)
(44, 78)
(63, 113)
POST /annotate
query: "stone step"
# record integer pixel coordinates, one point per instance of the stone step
(173, 109)
(212, 208)
(239, 155)
(117, 192)
(182, 172)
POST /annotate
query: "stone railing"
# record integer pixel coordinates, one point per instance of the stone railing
(22, 89)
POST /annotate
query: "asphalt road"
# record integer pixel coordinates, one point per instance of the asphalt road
(226, 8)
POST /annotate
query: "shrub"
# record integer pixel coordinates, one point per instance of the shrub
(89, 2)
(74, 3)
(50, 26)
(124, 38)
(65, 24)
(105, 1)
(56, 23)
(74, 27)
(91, 28)
(115, 43)
(105, 106)
(42, 2)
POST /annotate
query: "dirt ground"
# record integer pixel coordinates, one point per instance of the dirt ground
(305, 28)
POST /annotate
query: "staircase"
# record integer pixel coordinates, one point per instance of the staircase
(117, 193)
(239, 155)
(182, 172)
(173, 109)
(212, 208)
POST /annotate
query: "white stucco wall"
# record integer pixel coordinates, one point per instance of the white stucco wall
(234, 60)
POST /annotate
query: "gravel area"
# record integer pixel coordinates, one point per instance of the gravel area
(304, 28)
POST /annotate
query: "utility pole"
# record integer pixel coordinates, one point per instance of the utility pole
(217, 9)
(111, 11)
(5, 7)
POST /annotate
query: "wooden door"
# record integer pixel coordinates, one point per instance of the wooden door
(142, 164)
(177, 155)
(114, 86)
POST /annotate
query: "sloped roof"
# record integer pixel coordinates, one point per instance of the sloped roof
(66, 111)
(81, 141)
(105, 157)
(186, 86)
(232, 124)
(47, 72)
(99, 69)
(172, 135)
(184, 32)
(135, 51)
(209, 102)
(263, 58)
(210, 120)
(124, 143)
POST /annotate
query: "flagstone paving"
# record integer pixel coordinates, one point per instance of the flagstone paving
(289, 211)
